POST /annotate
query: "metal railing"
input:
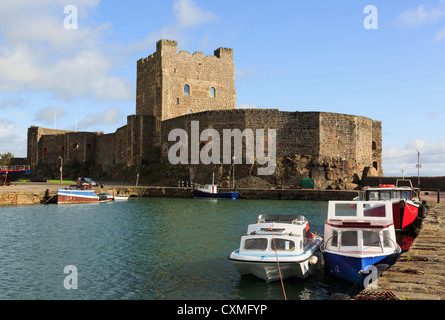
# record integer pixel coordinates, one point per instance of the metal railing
(10, 168)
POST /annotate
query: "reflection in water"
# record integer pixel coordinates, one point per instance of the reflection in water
(145, 248)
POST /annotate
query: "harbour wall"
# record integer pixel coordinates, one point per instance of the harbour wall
(254, 194)
(37, 197)
(19, 198)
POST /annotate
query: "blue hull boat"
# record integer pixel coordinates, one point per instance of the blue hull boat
(360, 240)
(13, 173)
(219, 195)
(356, 269)
(210, 191)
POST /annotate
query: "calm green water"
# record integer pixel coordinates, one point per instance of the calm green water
(144, 248)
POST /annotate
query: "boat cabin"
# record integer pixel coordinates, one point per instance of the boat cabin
(360, 226)
(209, 188)
(389, 192)
(291, 234)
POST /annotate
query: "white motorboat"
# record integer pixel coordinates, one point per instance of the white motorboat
(277, 245)
(120, 196)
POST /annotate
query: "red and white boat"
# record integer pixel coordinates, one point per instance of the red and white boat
(408, 210)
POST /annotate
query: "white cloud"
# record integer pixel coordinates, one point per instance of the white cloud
(49, 115)
(439, 36)
(110, 116)
(422, 15)
(39, 54)
(11, 140)
(190, 15)
(398, 158)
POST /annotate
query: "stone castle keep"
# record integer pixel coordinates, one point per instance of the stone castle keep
(176, 88)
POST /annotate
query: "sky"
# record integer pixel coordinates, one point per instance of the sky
(71, 64)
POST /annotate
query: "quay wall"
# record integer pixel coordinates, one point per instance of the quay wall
(28, 198)
(19, 198)
(253, 194)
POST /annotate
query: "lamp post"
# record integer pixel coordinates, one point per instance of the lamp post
(61, 168)
(233, 158)
(343, 174)
(418, 165)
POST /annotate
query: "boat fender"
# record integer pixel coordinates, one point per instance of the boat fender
(313, 260)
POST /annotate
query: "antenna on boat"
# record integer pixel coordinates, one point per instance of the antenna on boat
(213, 178)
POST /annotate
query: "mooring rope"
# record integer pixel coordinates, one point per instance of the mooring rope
(278, 264)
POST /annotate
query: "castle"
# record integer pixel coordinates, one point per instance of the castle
(175, 88)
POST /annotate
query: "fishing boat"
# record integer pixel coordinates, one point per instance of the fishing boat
(211, 191)
(12, 173)
(105, 197)
(408, 210)
(120, 196)
(359, 238)
(276, 247)
(65, 196)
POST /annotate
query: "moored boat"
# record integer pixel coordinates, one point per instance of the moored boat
(120, 196)
(408, 210)
(359, 239)
(13, 173)
(105, 197)
(67, 196)
(277, 246)
(210, 191)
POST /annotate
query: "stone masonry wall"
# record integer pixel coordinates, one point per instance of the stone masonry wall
(162, 76)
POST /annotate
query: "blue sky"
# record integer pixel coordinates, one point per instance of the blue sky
(290, 55)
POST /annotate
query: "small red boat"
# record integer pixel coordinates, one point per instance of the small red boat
(408, 210)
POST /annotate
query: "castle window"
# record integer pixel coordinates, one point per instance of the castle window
(89, 146)
(44, 150)
(61, 148)
(190, 111)
(375, 165)
(212, 92)
(75, 146)
(374, 145)
(177, 100)
(186, 90)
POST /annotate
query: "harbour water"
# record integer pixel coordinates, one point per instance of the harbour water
(145, 248)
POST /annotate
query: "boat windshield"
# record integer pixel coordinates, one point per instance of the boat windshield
(255, 244)
(360, 240)
(284, 244)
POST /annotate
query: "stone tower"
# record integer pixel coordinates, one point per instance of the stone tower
(172, 84)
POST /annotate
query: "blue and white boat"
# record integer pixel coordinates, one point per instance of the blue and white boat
(66, 196)
(210, 191)
(359, 239)
(277, 246)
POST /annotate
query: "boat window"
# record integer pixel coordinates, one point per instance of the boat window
(349, 238)
(284, 244)
(334, 240)
(406, 195)
(384, 195)
(345, 209)
(371, 239)
(395, 194)
(255, 244)
(374, 211)
(386, 239)
(373, 195)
